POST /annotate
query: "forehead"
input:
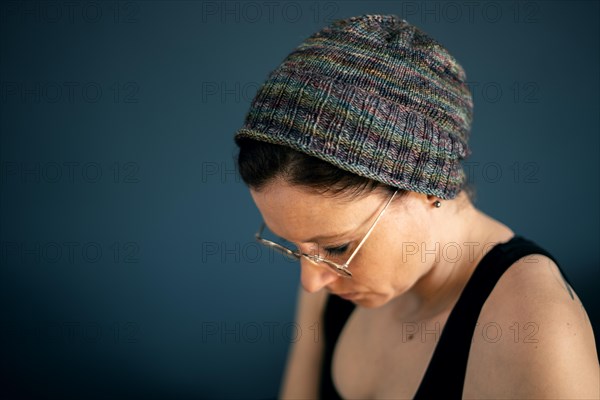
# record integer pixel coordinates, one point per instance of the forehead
(296, 213)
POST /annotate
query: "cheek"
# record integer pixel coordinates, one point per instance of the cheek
(377, 266)
(395, 261)
(391, 254)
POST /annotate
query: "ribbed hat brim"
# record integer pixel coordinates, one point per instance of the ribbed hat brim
(357, 131)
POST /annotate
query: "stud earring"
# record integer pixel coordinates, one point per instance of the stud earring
(437, 203)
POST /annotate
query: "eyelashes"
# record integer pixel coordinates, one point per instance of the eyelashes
(338, 250)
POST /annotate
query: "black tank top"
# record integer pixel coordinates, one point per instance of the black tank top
(446, 371)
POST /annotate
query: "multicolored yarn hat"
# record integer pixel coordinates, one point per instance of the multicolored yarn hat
(375, 96)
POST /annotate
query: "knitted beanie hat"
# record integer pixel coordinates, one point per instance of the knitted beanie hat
(375, 96)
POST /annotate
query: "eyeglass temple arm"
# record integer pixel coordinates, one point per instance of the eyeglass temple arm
(370, 229)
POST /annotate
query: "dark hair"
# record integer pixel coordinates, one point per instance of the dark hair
(259, 163)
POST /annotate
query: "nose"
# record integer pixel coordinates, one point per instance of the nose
(314, 277)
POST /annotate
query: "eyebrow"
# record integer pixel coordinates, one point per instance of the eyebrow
(315, 239)
(323, 237)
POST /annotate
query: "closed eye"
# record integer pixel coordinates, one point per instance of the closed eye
(336, 250)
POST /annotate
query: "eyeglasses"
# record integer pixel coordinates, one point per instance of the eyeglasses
(341, 270)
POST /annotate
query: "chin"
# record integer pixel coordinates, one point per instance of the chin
(370, 302)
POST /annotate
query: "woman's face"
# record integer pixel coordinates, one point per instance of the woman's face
(382, 269)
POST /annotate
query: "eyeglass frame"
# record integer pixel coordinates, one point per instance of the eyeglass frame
(341, 270)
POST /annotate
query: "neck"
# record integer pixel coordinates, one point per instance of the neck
(473, 234)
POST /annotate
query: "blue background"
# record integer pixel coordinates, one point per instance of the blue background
(127, 262)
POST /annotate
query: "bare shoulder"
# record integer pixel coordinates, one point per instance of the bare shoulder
(533, 338)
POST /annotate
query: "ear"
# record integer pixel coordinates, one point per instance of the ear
(434, 201)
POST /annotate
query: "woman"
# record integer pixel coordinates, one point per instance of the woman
(351, 151)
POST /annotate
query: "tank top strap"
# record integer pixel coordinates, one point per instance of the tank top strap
(446, 371)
